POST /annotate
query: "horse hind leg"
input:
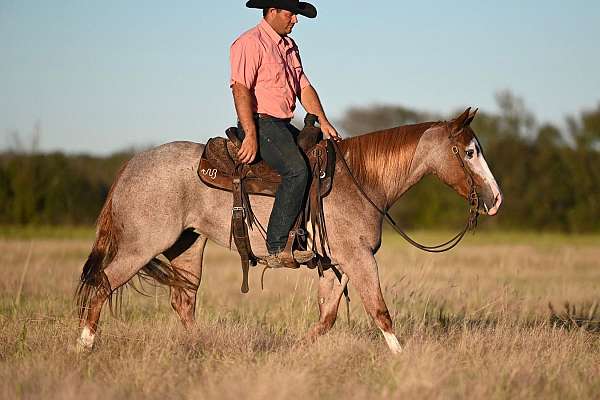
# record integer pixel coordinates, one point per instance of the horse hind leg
(186, 257)
(330, 292)
(89, 324)
(118, 272)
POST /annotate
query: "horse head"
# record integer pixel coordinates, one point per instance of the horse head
(458, 161)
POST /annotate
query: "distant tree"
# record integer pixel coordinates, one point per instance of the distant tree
(514, 119)
(585, 131)
(549, 195)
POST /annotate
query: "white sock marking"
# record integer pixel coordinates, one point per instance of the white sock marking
(86, 340)
(392, 342)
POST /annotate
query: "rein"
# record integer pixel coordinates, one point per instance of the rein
(440, 248)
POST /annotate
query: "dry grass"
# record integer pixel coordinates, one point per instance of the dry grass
(475, 324)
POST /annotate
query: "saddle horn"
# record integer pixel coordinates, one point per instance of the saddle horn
(233, 136)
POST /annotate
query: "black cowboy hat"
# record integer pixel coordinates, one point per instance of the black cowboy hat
(295, 6)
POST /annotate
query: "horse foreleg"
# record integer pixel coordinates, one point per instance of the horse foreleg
(330, 293)
(186, 258)
(362, 271)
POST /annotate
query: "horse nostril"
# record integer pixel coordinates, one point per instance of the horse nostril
(498, 199)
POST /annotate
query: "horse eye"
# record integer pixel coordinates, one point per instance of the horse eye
(470, 153)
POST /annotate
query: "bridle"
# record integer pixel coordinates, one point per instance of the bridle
(473, 199)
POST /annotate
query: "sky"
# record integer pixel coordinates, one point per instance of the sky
(101, 76)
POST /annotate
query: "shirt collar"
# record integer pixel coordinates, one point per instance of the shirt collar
(268, 29)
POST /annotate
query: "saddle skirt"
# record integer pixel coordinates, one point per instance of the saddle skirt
(219, 162)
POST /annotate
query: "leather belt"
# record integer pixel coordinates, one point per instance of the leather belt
(267, 116)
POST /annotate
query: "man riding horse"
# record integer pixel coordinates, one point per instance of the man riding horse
(266, 78)
(156, 206)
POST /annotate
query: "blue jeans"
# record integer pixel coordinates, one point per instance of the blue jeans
(278, 148)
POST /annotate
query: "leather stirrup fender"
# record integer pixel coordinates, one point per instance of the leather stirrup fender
(239, 231)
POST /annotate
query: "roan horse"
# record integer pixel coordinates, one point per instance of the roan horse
(157, 205)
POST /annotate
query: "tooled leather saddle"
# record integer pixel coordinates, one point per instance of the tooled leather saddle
(220, 169)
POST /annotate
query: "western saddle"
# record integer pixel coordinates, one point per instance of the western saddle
(220, 168)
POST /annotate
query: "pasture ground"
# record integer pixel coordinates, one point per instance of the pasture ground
(475, 323)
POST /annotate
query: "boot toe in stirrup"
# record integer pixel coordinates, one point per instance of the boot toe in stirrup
(303, 256)
(280, 260)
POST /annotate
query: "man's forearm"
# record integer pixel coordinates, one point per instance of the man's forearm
(311, 103)
(243, 106)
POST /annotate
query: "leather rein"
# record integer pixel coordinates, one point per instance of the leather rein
(473, 204)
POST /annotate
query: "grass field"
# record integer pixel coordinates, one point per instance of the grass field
(475, 323)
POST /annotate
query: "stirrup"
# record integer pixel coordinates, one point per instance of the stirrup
(292, 264)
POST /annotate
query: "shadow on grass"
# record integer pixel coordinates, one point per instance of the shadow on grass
(585, 317)
(441, 321)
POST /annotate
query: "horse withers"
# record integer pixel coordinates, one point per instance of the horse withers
(158, 206)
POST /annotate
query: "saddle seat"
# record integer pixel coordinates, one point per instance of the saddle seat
(220, 164)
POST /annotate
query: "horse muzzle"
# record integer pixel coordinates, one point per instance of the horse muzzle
(491, 205)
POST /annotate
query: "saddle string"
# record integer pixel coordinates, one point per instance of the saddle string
(440, 248)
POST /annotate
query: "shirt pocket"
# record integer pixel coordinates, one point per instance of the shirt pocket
(273, 74)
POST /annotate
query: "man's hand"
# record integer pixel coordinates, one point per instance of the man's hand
(311, 103)
(247, 152)
(329, 131)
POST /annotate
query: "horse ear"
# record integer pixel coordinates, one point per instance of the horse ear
(460, 122)
(471, 117)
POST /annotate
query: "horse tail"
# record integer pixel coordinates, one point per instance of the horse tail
(103, 252)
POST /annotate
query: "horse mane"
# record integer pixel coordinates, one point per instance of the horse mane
(383, 158)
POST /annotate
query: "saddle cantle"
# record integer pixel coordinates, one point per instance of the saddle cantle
(219, 162)
(220, 168)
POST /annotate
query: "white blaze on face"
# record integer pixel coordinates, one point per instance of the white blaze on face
(479, 166)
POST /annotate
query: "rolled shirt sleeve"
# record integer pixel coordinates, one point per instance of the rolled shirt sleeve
(304, 82)
(244, 58)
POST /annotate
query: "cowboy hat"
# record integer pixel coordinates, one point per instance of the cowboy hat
(295, 6)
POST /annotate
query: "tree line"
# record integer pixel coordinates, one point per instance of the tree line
(54, 188)
(549, 174)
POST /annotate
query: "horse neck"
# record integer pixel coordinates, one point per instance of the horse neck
(384, 162)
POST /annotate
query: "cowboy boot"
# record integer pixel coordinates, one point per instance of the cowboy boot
(282, 259)
(303, 256)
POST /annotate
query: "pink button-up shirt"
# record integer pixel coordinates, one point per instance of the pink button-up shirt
(269, 66)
